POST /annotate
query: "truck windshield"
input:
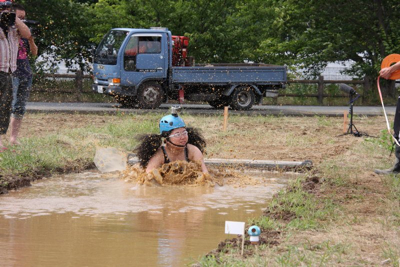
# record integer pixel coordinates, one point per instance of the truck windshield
(107, 51)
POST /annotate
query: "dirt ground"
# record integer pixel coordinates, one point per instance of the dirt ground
(296, 139)
(283, 141)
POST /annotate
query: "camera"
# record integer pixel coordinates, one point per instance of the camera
(33, 26)
(175, 109)
(7, 18)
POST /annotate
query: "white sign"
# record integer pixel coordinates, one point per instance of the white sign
(234, 228)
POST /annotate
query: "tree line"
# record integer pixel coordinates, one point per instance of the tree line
(297, 33)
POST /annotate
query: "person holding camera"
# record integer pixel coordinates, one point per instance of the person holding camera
(11, 30)
(22, 79)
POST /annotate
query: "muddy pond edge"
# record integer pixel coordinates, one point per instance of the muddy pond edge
(14, 182)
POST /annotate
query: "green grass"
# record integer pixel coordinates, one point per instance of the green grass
(55, 151)
(323, 254)
(391, 255)
(265, 223)
(307, 212)
(52, 90)
(46, 153)
(89, 97)
(326, 253)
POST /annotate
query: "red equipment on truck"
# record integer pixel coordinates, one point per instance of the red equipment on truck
(179, 50)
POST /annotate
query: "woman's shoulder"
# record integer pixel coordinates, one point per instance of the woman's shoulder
(194, 152)
(159, 152)
(192, 147)
(158, 155)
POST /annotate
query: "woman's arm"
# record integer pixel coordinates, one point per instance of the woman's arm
(22, 28)
(32, 46)
(196, 155)
(387, 72)
(155, 161)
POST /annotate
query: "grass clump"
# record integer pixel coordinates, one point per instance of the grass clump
(48, 153)
(69, 149)
(300, 209)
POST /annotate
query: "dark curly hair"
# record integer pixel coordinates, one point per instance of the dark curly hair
(149, 143)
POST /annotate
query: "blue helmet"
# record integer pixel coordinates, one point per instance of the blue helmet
(170, 122)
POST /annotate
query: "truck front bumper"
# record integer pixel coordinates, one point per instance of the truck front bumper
(104, 89)
(99, 88)
(112, 90)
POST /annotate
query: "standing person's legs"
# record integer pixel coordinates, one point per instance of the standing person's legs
(396, 129)
(21, 91)
(5, 104)
(395, 169)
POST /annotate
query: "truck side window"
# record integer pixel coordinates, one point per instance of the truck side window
(150, 45)
(130, 53)
(140, 45)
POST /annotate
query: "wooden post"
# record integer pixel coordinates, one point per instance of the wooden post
(367, 89)
(242, 243)
(321, 90)
(79, 84)
(392, 88)
(345, 117)
(225, 118)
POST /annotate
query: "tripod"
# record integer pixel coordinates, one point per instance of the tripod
(353, 97)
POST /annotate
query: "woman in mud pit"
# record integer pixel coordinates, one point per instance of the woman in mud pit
(175, 142)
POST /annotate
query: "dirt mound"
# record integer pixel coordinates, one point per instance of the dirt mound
(267, 238)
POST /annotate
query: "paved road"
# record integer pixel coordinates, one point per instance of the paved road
(107, 108)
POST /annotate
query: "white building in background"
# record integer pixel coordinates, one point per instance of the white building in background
(46, 59)
(333, 72)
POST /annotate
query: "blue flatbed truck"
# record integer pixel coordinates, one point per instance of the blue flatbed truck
(146, 67)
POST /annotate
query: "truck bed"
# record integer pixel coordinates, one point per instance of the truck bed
(269, 74)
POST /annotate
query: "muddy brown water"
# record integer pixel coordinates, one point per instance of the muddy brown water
(89, 219)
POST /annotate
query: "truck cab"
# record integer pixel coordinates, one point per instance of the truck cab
(132, 65)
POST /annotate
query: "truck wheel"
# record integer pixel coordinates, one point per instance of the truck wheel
(220, 102)
(126, 101)
(150, 95)
(242, 98)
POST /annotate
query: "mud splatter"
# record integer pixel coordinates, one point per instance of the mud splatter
(174, 173)
(189, 174)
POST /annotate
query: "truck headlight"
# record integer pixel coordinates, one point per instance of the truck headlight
(114, 81)
(95, 80)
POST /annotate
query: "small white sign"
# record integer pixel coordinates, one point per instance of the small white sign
(100, 89)
(234, 228)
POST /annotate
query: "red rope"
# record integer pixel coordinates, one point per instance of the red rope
(384, 112)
